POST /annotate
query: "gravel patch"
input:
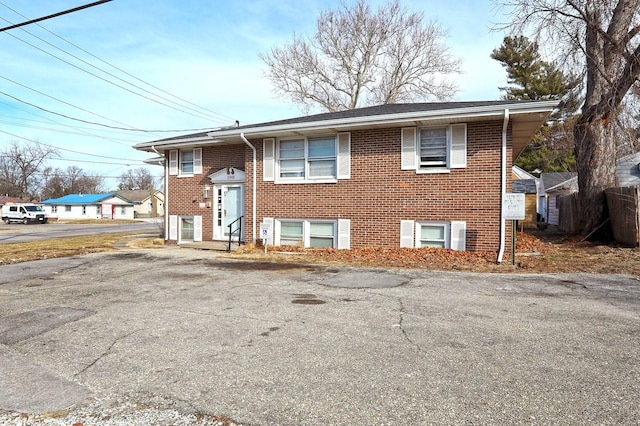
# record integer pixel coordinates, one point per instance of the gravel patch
(114, 411)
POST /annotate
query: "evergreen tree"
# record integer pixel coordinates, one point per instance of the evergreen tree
(532, 78)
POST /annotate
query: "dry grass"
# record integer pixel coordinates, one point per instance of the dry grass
(59, 247)
(536, 253)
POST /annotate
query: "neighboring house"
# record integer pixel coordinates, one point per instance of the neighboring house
(628, 170)
(397, 175)
(525, 183)
(5, 199)
(552, 187)
(89, 206)
(143, 203)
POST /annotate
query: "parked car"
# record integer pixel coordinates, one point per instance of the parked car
(24, 213)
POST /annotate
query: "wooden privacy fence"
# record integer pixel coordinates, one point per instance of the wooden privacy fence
(568, 213)
(623, 212)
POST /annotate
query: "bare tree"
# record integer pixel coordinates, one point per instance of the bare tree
(21, 166)
(600, 37)
(359, 57)
(57, 183)
(139, 178)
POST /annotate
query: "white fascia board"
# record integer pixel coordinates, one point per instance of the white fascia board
(177, 143)
(457, 114)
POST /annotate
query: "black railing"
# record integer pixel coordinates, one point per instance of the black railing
(237, 230)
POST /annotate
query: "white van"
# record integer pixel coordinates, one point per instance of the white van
(23, 212)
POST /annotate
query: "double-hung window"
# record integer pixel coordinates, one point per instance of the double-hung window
(434, 149)
(185, 162)
(292, 159)
(291, 233)
(445, 234)
(307, 159)
(319, 159)
(306, 233)
(434, 235)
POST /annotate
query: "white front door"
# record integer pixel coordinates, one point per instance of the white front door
(229, 206)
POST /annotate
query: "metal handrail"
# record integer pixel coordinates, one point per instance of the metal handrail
(231, 232)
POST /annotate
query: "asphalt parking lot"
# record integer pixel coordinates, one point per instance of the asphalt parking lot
(283, 344)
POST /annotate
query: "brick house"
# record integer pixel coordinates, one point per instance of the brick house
(398, 175)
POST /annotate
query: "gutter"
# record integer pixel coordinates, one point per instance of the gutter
(503, 186)
(253, 213)
(165, 205)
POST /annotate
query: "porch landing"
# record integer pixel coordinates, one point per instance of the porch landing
(210, 245)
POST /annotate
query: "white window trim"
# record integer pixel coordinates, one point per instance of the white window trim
(340, 240)
(175, 162)
(197, 228)
(411, 149)
(447, 232)
(455, 233)
(434, 170)
(306, 178)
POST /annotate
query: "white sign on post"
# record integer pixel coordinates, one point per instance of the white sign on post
(513, 206)
(265, 234)
(265, 231)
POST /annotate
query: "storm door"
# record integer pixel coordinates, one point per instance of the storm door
(229, 206)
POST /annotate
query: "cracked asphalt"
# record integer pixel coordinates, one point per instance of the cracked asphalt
(285, 344)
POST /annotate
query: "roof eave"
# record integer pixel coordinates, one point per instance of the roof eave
(232, 136)
(489, 111)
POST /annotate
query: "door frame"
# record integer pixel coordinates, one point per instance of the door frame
(219, 227)
(227, 177)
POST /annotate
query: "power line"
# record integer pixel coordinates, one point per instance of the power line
(75, 9)
(64, 149)
(131, 129)
(225, 118)
(61, 101)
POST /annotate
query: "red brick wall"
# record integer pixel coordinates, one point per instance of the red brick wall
(185, 194)
(378, 195)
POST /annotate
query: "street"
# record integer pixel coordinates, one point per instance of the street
(19, 233)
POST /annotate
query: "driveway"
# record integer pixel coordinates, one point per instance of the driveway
(281, 344)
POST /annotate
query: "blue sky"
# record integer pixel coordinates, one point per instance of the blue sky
(204, 52)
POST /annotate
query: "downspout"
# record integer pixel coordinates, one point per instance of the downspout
(165, 206)
(503, 185)
(253, 210)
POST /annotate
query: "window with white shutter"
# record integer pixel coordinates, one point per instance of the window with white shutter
(314, 159)
(185, 162)
(418, 234)
(434, 149)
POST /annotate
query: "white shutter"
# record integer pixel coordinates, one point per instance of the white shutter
(406, 233)
(458, 155)
(409, 156)
(197, 228)
(344, 156)
(274, 232)
(173, 227)
(173, 162)
(344, 234)
(458, 235)
(197, 161)
(268, 159)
